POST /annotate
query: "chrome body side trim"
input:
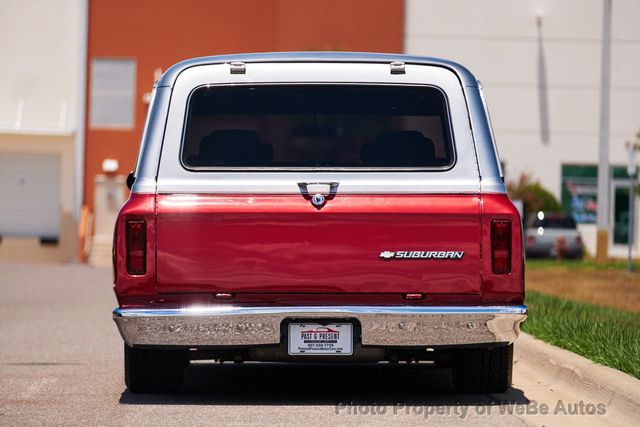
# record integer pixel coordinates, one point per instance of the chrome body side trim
(491, 179)
(149, 157)
(223, 325)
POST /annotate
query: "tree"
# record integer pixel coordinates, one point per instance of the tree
(533, 195)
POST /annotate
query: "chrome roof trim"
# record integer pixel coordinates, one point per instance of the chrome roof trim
(169, 77)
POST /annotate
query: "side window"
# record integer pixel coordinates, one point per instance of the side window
(112, 96)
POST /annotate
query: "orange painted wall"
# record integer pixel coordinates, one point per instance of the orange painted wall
(159, 33)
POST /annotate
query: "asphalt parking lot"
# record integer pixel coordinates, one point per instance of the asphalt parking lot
(61, 364)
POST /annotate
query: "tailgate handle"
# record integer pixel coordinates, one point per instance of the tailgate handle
(307, 188)
(318, 192)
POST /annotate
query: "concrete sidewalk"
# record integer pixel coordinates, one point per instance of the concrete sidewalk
(620, 392)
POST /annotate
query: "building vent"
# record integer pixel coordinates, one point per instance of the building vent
(112, 93)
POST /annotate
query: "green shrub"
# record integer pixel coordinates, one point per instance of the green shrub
(533, 195)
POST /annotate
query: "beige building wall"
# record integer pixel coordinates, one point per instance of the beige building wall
(41, 43)
(539, 62)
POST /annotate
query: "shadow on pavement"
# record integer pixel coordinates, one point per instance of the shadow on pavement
(290, 384)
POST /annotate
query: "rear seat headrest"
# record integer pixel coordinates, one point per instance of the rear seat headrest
(399, 148)
(233, 147)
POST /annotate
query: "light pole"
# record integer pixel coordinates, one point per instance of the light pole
(603, 163)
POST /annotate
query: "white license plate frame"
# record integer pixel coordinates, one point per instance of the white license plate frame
(333, 339)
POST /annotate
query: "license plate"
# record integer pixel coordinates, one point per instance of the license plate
(313, 338)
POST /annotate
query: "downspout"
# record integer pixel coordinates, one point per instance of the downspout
(81, 109)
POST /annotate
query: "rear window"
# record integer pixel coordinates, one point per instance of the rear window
(317, 127)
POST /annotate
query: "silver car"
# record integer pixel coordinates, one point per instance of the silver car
(553, 235)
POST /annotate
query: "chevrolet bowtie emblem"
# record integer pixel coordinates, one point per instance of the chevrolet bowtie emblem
(387, 254)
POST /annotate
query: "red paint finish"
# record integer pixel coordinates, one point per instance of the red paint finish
(279, 250)
(294, 299)
(281, 243)
(502, 288)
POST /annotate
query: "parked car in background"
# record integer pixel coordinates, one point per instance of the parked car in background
(553, 235)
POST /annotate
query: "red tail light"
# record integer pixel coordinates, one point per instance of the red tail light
(136, 235)
(501, 246)
(531, 240)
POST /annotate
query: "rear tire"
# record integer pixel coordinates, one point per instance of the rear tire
(153, 371)
(482, 370)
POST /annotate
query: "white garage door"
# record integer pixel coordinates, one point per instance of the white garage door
(29, 195)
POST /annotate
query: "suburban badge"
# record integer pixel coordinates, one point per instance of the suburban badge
(388, 255)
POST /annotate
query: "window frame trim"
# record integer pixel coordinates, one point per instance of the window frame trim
(205, 169)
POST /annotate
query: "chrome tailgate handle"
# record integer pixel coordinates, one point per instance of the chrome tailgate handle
(318, 192)
(326, 188)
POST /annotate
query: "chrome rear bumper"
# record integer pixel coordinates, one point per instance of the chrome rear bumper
(381, 325)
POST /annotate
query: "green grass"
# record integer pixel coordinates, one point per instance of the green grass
(586, 264)
(608, 336)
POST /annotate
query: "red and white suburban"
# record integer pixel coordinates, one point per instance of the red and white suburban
(318, 207)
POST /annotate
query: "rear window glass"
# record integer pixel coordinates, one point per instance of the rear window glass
(317, 127)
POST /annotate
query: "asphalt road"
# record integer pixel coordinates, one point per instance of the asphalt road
(61, 364)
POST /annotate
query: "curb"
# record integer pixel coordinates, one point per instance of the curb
(608, 384)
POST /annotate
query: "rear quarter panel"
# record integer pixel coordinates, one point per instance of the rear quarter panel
(502, 288)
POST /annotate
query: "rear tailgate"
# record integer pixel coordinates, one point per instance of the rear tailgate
(232, 216)
(354, 244)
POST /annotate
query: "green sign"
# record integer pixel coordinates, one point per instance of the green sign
(580, 190)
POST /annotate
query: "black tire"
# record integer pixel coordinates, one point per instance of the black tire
(482, 370)
(152, 370)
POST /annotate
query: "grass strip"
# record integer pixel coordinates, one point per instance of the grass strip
(605, 335)
(584, 264)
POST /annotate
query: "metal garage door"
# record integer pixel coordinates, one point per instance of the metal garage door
(29, 195)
